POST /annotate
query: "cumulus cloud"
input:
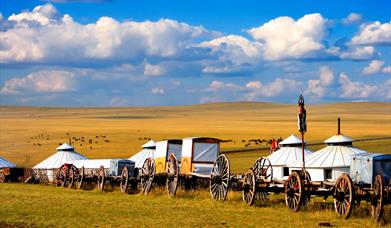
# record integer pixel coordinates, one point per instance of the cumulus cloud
(387, 70)
(50, 81)
(352, 89)
(373, 67)
(318, 88)
(372, 34)
(53, 38)
(153, 70)
(221, 86)
(157, 90)
(352, 18)
(284, 37)
(358, 53)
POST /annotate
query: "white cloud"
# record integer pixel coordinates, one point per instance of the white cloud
(157, 90)
(375, 33)
(284, 37)
(258, 90)
(352, 18)
(358, 53)
(387, 70)
(351, 89)
(221, 86)
(205, 100)
(318, 88)
(52, 81)
(62, 40)
(373, 67)
(153, 70)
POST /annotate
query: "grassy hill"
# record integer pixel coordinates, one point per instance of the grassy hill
(30, 134)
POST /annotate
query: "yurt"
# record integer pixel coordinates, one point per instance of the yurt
(6, 164)
(329, 163)
(65, 154)
(148, 151)
(290, 151)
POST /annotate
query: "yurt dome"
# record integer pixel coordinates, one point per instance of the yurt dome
(65, 154)
(328, 163)
(6, 164)
(290, 151)
(148, 151)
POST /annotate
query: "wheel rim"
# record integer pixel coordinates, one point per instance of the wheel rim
(343, 196)
(294, 191)
(377, 201)
(249, 185)
(219, 178)
(71, 178)
(2, 178)
(172, 175)
(263, 169)
(63, 176)
(81, 178)
(102, 178)
(124, 179)
(147, 175)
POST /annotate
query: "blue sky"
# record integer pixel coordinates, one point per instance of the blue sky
(121, 53)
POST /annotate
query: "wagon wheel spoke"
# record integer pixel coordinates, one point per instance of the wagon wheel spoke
(294, 192)
(172, 175)
(343, 195)
(124, 184)
(219, 178)
(377, 198)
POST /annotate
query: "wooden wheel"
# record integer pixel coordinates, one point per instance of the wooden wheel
(219, 178)
(294, 190)
(81, 178)
(343, 196)
(124, 179)
(62, 177)
(73, 176)
(101, 178)
(172, 175)
(377, 199)
(2, 177)
(147, 175)
(249, 187)
(263, 169)
(44, 179)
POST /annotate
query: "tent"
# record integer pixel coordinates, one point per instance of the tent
(65, 154)
(148, 151)
(329, 163)
(290, 151)
(6, 164)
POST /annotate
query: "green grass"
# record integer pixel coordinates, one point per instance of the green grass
(37, 205)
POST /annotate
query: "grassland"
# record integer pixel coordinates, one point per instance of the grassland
(30, 134)
(37, 206)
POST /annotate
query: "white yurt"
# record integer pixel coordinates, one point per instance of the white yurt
(290, 151)
(65, 154)
(329, 163)
(6, 164)
(148, 151)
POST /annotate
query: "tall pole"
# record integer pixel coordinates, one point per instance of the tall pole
(302, 124)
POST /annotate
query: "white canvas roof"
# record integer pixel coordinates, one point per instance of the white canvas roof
(291, 140)
(288, 154)
(330, 157)
(140, 157)
(5, 163)
(151, 143)
(339, 138)
(65, 154)
(92, 163)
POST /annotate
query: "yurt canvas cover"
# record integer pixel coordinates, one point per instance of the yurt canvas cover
(65, 154)
(290, 151)
(365, 167)
(6, 164)
(329, 163)
(148, 151)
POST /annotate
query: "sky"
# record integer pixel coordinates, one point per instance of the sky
(148, 53)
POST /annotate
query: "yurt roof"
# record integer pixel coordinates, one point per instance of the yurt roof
(93, 163)
(151, 143)
(287, 155)
(140, 157)
(59, 158)
(66, 147)
(5, 163)
(330, 157)
(291, 140)
(339, 138)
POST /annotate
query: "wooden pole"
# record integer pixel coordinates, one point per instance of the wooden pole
(302, 148)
